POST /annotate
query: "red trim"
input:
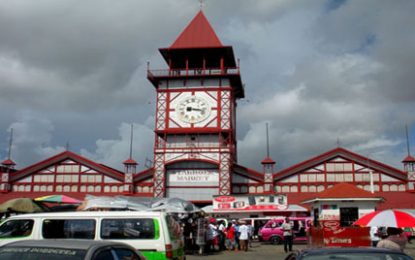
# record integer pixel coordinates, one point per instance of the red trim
(65, 156)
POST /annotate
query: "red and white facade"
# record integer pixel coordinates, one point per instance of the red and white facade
(195, 148)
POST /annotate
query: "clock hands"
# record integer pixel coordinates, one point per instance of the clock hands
(193, 109)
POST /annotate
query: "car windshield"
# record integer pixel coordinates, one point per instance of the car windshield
(357, 255)
(40, 253)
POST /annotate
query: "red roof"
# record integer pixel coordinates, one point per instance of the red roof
(396, 199)
(8, 162)
(346, 154)
(268, 160)
(344, 190)
(408, 159)
(61, 157)
(199, 33)
(130, 161)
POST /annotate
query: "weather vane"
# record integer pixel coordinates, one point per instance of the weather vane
(201, 4)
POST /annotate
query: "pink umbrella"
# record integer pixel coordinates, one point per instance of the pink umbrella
(387, 218)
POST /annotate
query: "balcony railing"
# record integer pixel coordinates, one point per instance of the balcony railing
(193, 72)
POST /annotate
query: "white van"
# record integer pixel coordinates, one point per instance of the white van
(156, 234)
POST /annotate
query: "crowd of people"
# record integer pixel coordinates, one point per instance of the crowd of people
(208, 235)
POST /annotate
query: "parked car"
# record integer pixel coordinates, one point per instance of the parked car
(272, 231)
(347, 253)
(68, 249)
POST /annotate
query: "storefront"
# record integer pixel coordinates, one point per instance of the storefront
(250, 206)
(335, 210)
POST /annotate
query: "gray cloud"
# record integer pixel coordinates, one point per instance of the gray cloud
(317, 71)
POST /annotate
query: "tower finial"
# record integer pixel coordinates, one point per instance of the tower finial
(407, 140)
(201, 4)
(131, 142)
(267, 140)
(9, 154)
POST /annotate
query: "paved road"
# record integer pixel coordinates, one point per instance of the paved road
(261, 251)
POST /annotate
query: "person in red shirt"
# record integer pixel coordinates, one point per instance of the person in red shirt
(230, 237)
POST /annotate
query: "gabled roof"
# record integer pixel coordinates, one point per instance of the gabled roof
(344, 191)
(198, 34)
(62, 157)
(346, 154)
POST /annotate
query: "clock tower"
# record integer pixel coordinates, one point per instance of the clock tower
(195, 134)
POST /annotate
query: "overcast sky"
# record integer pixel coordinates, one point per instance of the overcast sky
(74, 72)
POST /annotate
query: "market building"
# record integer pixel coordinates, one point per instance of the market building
(195, 149)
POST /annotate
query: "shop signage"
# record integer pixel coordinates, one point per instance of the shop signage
(249, 203)
(331, 234)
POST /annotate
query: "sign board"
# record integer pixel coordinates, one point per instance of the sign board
(331, 234)
(242, 203)
(192, 177)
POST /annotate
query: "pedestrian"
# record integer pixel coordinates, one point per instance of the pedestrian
(250, 235)
(395, 235)
(243, 236)
(288, 235)
(374, 236)
(201, 234)
(236, 227)
(230, 237)
(393, 239)
(211, 236)
(221, 234)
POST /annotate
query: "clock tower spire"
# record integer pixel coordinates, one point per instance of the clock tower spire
(195, 134)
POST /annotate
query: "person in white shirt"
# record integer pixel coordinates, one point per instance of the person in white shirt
(243, 236)
(374, 237)
(288, 235)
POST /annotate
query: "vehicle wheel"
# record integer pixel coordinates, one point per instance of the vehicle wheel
(275, 240)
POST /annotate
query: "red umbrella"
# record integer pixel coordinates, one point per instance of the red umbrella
(387, 218)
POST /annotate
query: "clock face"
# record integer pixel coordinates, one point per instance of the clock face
(193, 109)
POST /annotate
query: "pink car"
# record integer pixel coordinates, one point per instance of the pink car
(272, 231)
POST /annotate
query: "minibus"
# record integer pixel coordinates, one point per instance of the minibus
(156, 235)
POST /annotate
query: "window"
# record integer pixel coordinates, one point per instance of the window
(348, 216)
(138, 228)
(69, 228)
(174, 228)
(16, 228)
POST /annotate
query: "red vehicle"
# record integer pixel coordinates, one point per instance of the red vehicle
(272, 230)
